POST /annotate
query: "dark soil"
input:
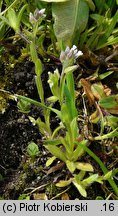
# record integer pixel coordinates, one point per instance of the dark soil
(21, 173)
(18, 171)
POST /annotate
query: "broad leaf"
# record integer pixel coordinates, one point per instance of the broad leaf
(71, 166)
(63, 183)
(84, 166)
(32, 149)
(109, 102)
(112, 121)
(50, 161)
(71, 18)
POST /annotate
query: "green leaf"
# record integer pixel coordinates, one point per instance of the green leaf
(33, 52)
(64, 183)
(70, 18)
(38, 67)
(80, 188)
(69, 91)
(65, 115)
(109, 102)
(90, 180)
(112, 121)
(74, 128)
(23, 106)
(99, 198)
(104, 75)
(39, 88)
(56, 151)
(98, 90)
(12, 18)
(42, 127)
(70, 69)
(36, 103)
(108, 175)
(84, 166)
(112, 134)
(95, 117)
(112, 25)
(56, 1)
(5, 20)
(52, 142)
(70, 103)
(24, 197)
(91, 4)
(19, 16)
(108, 31)
(52, 99)
(80, 176)
(71, 166)
(79, 150)
(50, 161)
(32, 149)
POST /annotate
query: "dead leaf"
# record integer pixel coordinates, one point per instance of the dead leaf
(65, 196)
(107, 90)
(40, 196)
(55, 168)
(98, 90)
(87, 89)
(95, 117)
(113, 110)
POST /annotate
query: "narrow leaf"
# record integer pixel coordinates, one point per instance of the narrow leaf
(33, 52)
(12, 18)
(80, 188)
(56, 151)
(90, 180)
(38, 67)
(56, 1)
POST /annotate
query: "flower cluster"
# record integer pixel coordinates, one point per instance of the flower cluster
(69, 54)
(33, 18)
(53, 78)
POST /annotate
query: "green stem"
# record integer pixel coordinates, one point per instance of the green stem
(109, 135)
(36, 103)
(56, 131)
(102, 166)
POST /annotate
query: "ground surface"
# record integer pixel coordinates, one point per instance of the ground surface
(22, 174)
